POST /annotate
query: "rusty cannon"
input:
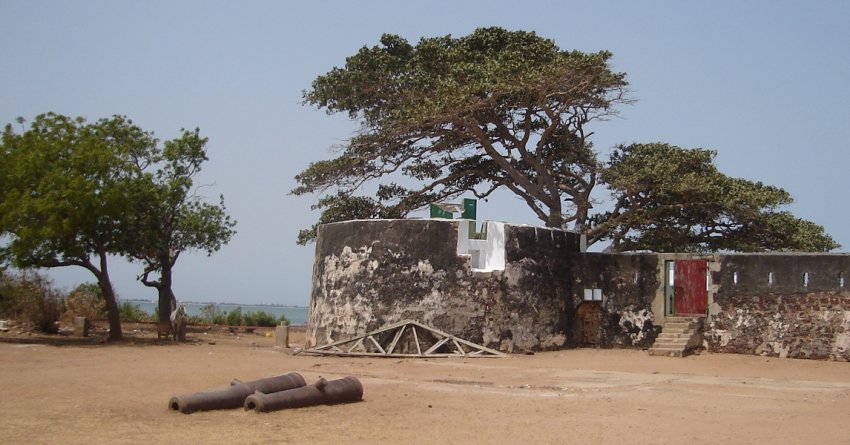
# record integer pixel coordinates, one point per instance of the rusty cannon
(235, 395)
(323, 392)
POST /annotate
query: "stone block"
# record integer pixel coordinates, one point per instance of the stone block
(81, 326)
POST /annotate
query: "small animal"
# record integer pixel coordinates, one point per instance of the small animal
(178, 323)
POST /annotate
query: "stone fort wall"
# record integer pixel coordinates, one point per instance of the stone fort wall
(529, 288)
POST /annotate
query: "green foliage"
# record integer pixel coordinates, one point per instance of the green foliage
(72, 193)
(212, 314)
(8, 295)
(249, 319)
(237, 318)
(671, 199)
(91, 289)
(86, 301)
(263, 318)
(168, 217)
(65, 200)
(472, 114)
(342, 207)
(31, 297)
(196, 320)
(131, 312)
(509, 109)
(234, 317)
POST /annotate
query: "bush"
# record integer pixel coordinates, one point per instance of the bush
(31, 297)
(263, 318)
(83, 302)
(196, 320)
(132, 312)
(234, 317)
(212, 314)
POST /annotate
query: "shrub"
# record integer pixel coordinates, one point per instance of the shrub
(234, 317)
(132, 312)
(263, 318)
(9, 307)
(212, 314)
(83, 302)
(196, 320)
(31, 297)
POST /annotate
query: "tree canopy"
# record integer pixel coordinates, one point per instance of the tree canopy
(671, 199)
(502, 109)
(495, 109)
(63, 196)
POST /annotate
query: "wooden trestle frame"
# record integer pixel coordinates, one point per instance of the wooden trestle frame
(356, 347)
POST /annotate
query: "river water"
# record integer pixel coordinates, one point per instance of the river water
(296, 315)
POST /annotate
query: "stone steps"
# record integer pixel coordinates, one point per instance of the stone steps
(676, 337)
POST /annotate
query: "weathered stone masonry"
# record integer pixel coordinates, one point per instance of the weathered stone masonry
(371, 273)
(548, 295)
(765, 304)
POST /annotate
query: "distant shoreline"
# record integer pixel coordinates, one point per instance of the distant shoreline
(142, 300)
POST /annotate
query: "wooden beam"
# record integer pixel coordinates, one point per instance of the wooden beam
(457, 345)
(436, 346)
(395, 339)
(416, 339)
(472, 349)
(377, 345)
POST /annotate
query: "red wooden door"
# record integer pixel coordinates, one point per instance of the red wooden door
(691, 297)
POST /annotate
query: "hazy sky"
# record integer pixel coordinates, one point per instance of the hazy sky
(766, 84)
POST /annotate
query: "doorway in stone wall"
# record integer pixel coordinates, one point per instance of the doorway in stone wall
(690, 295)
(589, 323)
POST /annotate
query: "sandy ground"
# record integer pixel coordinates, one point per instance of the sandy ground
(74, 392)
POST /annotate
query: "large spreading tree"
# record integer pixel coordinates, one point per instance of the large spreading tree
(670, 199)
(510, 110)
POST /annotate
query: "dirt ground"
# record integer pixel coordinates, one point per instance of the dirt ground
(85, 391)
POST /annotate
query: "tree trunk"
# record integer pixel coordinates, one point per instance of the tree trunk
(167, 300)
(555, 219)
(112, 313)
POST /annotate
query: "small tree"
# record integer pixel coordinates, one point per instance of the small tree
(168, 218)
(64, 197)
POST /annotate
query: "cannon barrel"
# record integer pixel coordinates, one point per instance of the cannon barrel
(323, 392)
(235, 395)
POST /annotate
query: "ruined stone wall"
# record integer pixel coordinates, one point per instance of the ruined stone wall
(787, 317)
(628, 283)
(367, 274)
